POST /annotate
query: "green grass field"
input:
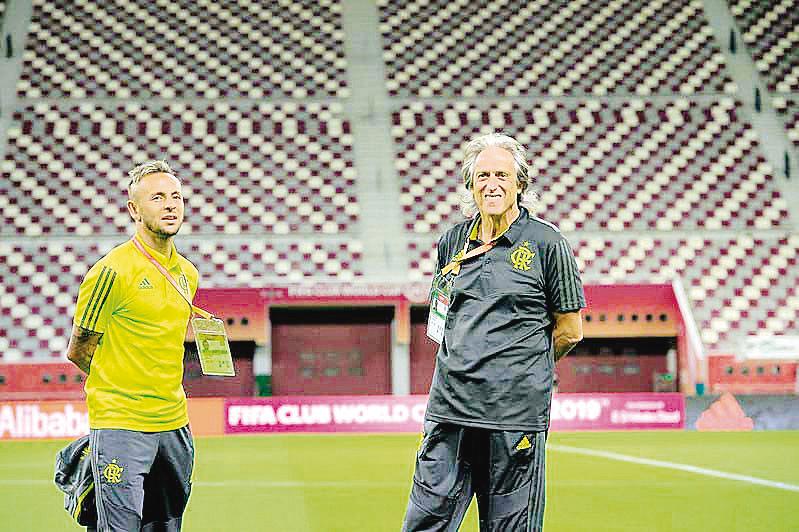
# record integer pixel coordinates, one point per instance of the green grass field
(361, 483)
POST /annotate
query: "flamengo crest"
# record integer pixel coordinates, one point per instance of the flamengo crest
(522, 256)
(113, 472)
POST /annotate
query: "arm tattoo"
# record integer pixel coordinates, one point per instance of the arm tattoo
(82, 346)
(85, 333)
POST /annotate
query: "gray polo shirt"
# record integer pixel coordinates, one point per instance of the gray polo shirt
(495, 365)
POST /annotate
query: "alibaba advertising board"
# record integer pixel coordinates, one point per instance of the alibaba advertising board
(381, 413)
(29, 420)
(23, 420)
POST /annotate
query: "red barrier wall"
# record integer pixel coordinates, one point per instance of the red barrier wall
(52, 381)
(726, 374)
(198, 385)
(242, 309)
(422, 351)
(618, 373)
(332, 352)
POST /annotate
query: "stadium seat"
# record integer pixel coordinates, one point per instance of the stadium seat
(574, 48)
(770, 30)
(87, 49)
(599, 165)
(627, 109)
(788, 108)
(256, 263)
(246, 167)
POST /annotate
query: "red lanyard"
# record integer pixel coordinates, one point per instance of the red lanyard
(197, 310)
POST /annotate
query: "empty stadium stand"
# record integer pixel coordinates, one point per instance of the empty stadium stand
(85, 49)
(254, 263)
(465, 48)
(770, 29)
(635, 165)
(644, 151)
(789, 109)
(280, 168)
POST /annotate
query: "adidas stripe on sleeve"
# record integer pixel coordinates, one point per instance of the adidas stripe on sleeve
(94, 305)
(564, 287)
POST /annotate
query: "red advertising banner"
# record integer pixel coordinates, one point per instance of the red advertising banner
(385, 413)
(360, 413)
(351, 413)
(617, 411)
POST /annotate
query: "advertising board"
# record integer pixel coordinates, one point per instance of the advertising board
(353, 413)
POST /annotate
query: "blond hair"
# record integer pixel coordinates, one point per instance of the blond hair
(145, 169)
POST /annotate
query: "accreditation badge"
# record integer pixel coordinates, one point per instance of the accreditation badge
(213, 347)
(439, 306)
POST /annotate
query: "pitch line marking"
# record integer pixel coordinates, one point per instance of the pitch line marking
(674, 465)
(25, 482)
(555, 447)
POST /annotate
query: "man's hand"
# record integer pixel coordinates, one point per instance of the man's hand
(81, 347)
(568, 332)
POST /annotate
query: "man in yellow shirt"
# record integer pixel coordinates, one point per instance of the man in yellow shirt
(129, 327)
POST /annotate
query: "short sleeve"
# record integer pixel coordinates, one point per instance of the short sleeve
(562, 278)
(96, 301)
(194, 280)
(441, 254)
(195, 286)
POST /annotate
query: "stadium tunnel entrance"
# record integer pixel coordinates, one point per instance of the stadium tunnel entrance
(331, 350)
(619, 365)
(331, 339)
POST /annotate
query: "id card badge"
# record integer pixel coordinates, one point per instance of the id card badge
(439, 307)
(213, 347)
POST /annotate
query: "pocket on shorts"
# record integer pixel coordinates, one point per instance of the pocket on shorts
(435, 459)
(427, 431)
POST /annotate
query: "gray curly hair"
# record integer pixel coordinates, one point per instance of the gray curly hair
(150, 167)
(527, 196)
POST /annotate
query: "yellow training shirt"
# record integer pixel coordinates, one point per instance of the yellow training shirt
(136, 375)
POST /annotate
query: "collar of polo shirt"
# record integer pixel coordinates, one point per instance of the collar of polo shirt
(510, 234)
(168, 262)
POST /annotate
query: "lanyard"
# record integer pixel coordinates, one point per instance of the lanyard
(455, 265)
(197, 310)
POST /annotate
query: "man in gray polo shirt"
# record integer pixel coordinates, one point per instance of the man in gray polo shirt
(508, 295)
